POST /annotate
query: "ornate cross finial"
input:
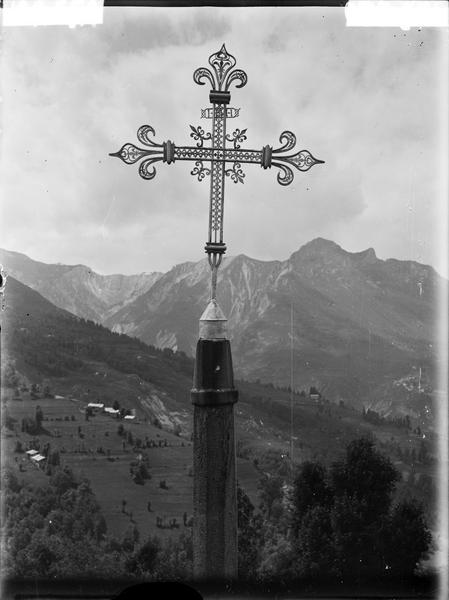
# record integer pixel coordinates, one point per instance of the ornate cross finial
(218, 155)
(220, 79)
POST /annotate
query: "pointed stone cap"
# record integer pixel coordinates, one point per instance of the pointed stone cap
(213, 323)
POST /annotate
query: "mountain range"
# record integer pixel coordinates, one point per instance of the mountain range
(359, 328)
(78, 288)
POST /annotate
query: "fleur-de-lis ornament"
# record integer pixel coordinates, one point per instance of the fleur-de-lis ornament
(220, 75)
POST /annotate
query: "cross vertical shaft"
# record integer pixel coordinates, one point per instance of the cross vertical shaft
(216, 204)
(213, 394)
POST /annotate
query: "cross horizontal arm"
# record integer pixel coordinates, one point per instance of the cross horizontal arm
(168, 152)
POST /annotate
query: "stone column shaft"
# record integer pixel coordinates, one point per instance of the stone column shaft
(214, 480)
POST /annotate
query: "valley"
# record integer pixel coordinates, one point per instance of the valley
(358, 325)
(61, 362)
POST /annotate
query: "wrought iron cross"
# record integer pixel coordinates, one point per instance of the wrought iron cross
(217, 154)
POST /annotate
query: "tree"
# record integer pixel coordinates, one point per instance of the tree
(366, 476)
(408, 538)
(175, 559)
(423, 453)
(63, 480)
(249, 536)
(270, 491)
(56, 531)
(343, 522)
(310, 489)
(100, 527)
(143, 471)
(39, 417)
(130, 539)
(137, 477)
(313, 547)
(54, 458)
(47, 392)
(143, 560)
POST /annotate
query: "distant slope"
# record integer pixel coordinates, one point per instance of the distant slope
(83, 362)
(362, 327)
(358, 322)
(44, 341)
(77, 288)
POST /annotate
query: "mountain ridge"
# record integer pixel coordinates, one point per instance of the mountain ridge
(77, 288)
(355, 321)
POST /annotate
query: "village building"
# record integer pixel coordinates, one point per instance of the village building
(96, 407)
(37, 459)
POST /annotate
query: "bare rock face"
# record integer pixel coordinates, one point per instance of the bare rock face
(77, 288)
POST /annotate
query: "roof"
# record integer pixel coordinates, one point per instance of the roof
(37, 457)
(111, 410)
(129, 417)
(31, 452)
(95, 405)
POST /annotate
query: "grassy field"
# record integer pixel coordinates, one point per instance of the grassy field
(79, 443)
(94, 449)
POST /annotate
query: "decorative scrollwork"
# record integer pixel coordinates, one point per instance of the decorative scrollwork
(199, 134)
(144, 170)
(222, 74)
(129, 153)
(202, 73)
(236, 173)
(222, 62)
(236, 74)
(286, 175)
(216, 198)
(302, 160)
(200, 170)
(289, 140)
(237, 136)
(142, 135)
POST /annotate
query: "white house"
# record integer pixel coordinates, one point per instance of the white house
(37, 459)
(96, 406)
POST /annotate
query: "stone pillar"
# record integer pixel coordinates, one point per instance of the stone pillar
(214, 482)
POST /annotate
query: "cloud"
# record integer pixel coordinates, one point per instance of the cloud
(367, 101)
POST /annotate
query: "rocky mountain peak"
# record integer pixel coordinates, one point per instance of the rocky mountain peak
(326, 252)
(366, 256)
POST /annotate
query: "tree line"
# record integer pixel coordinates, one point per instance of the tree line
(336, 522)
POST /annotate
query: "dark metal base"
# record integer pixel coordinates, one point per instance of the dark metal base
(213, 377)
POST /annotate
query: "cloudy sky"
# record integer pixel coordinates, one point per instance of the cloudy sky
(368, 101)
